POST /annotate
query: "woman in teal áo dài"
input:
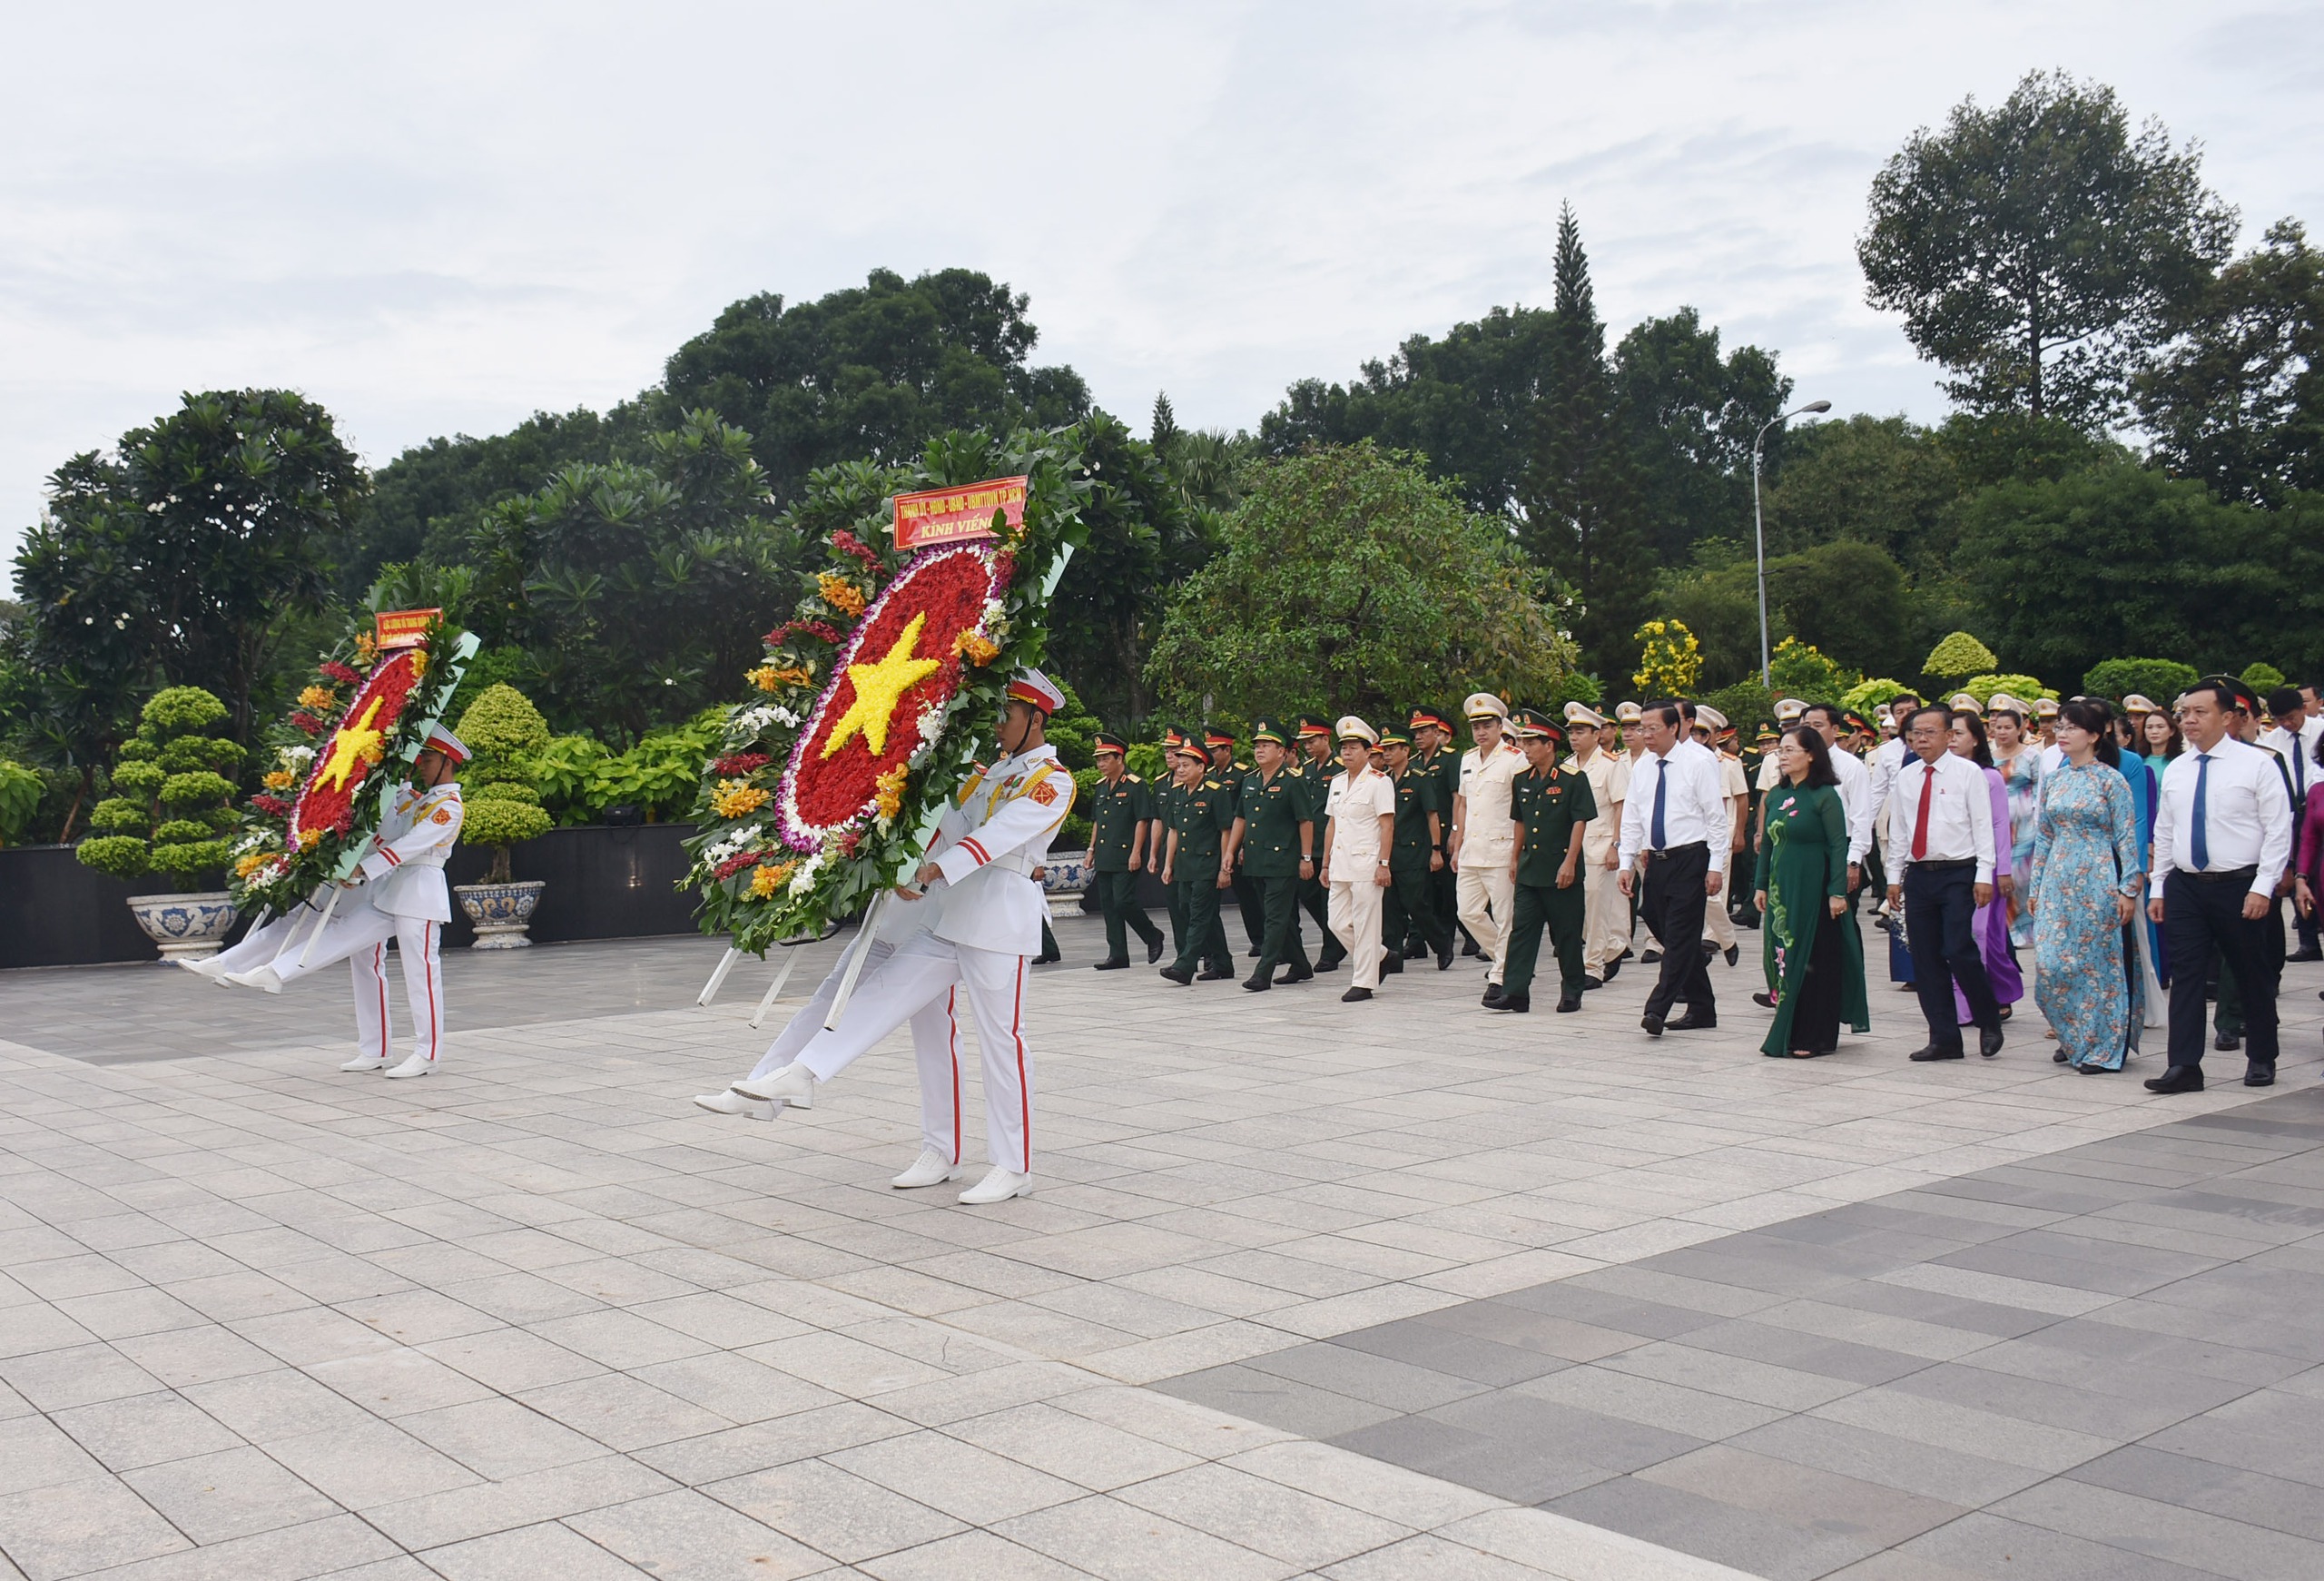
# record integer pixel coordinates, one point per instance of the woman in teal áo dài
(1814, 957)
(2087, 877)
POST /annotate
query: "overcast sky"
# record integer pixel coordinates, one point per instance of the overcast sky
(446, 217)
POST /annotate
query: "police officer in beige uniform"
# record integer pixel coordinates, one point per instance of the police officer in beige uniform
(1482, 838)
(1712, 730)
(1606, 914)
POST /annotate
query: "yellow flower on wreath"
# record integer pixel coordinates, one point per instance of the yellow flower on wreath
(366, 647)
(281, 780)
(766, 880)
(770, 678)
(973, 646)
(1669, 660)
(310, 838)
(891, 799)
(319, 700)
(840, 593)
(253, 862)
(735, 798)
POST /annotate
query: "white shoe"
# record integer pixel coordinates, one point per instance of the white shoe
(997, 1187)
(795, 1084)
(207, 966)
(414, 1066)
(733, 1103)
(258, 977)
(931, 1169)
(368, 1062)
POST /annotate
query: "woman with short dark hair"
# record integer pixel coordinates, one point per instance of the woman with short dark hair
(2087, 878)
(1814, 957)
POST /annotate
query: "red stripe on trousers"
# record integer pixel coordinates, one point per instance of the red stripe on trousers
(1017, 1035)
(428, 969)
(952, 1046)
(380, 980)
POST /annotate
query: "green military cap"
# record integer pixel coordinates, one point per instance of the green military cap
(1310, 726)
(1394, 735)
(1533, 724)
(1265, 729)
(1194, 748)
(1217, 736)
(1427, 716)
(1107, 741)
(1768, 734)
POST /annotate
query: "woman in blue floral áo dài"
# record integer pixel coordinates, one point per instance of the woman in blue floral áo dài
(2087, 877)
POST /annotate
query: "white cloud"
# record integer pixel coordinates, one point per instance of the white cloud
(438, 218)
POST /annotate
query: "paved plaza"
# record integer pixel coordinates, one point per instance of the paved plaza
(1377, 1291)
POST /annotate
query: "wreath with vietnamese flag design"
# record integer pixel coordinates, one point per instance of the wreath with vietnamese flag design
(875, 700)
(336, 757)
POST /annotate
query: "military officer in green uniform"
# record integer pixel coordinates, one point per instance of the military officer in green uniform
(1163, 794)
(1199, 817)
(1321, 763)
(1228, 771)
(1551, 808)
(1275, 839)
(1418, 851)
(1433, 734)
(1121, 814)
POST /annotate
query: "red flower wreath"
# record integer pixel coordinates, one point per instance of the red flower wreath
(326, 804)
(902, 660)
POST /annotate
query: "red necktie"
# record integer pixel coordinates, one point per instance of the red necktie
(1920, 823)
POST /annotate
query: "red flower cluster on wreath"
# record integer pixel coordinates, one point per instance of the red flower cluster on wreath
(734, 865)
(341, 674)
(329, 808)
(309, 723)
(822, 631)
(848, 543)
(736, 764)
(273, 806)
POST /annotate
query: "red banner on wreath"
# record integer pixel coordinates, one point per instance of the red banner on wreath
(956, 515)
(403, 627)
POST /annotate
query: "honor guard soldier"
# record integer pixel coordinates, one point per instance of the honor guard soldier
(1605, 915)
(1359, 828)
(1550, 809)
(1482, 832)
(1228, 771)
(1274, 844)
(1417, 852)
(1200, 814)
(1319, 762)
(1433, 736)
(981, 925)
(1121, 817)
(396, 892)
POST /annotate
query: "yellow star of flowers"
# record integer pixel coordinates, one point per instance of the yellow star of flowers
(354, 747)
(879, 687)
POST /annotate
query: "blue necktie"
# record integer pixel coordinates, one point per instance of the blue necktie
(2201, 843)
(1662, 795)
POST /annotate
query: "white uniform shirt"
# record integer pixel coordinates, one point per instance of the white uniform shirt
(1608, 776)
(1855, 801)
(1355, 807)
(1694, 807)
(2247, 817)
(1738, 787)
(404, 872)
(1959, 815)
(1485, 784)
(1887, 761)
(2298, 763)
(995, 833)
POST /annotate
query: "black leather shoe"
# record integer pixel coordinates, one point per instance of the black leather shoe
(2059, 1058)
(1256, 985)
(1154, 950)
(1393, 964)
(2227, 1042)
(1469, 947)
(1615, 965)
(1520, 1004)
(1253, 953)
(1415, 950)
(1568, 1006)
(1589, 982)
(1764, 1001)
(1709, 950)
(1177, 973)
(2177, 1079)
(1651, 958)
(2258, 1075)
(1931, 1051)
(1295, 975)
(1691, 1022)
(1214, 975)
(1734, 954)
(1626, 954)
(1355, 995)
(1989, 1042)
(1652, 1023)
(2308, 955)
(1120, 966)
(1445, 962)
(1330, 965)
(1494, 994)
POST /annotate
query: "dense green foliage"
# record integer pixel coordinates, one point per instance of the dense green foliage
(172, 805)
(2158, 680)
(504, 733)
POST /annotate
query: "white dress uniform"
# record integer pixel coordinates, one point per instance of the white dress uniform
(1352, 807)
(1606, 910)
(1485, 891)
(972, 934)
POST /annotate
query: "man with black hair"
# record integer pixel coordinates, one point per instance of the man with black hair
(1676, 815)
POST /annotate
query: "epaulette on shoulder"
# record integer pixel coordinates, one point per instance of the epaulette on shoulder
(1133, 779)
(1212, 784)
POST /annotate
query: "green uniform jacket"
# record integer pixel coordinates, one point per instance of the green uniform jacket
(1417, 796)
(1271, 810)
(1200, 814)
(1115, 811)
(1548, 807)
(1445, 768)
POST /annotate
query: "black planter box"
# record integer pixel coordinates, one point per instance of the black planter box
(603, 883)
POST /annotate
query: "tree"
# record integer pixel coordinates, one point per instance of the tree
(504, 733)
(1958, 655)
(1691, 416)
(198, 541)
(172, 807)
(1580, 492)
(1850, 600)
(2158, 680)
(1350, 581)
(1670, 660)
(1884, 481)
(2035, 248)
(2238, 400)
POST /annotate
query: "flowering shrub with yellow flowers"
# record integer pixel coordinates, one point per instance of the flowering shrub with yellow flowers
(1670, 661)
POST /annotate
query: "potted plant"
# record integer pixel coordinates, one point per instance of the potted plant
(504, 733)
(169, 815)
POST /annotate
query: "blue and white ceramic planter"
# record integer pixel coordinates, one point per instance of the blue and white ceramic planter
(184, 927)
(1065, 875)
(501, 912)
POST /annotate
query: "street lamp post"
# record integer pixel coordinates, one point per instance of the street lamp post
(1759, 526)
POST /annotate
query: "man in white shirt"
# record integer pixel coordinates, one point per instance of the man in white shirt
(1483, 838)
(1941, 835)
(2222, 837)
(1887, 761)
(1676, 815)
(2288, 741)
(1359, 830)
(1606, 914)
(1712, 730)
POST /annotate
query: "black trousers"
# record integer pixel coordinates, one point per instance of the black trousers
(1409, 910)
(2199, 917)
(1280, 945)
(1316, 901)
(1940, 911)
(1118, 898)
(1672, 905)
(1533, 906)
(1203, 942)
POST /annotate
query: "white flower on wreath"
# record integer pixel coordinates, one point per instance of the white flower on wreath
(293, 755)
(734, 844)
(749, 723)
(804, 879)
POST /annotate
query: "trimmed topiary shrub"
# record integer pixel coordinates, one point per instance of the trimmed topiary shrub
(170, 808)
(2024, 688)
(2261, 677)
(2158, 680)
(501, 806)
(1958, 655)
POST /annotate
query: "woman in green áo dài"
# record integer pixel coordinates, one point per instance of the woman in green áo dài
(1815, 958)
